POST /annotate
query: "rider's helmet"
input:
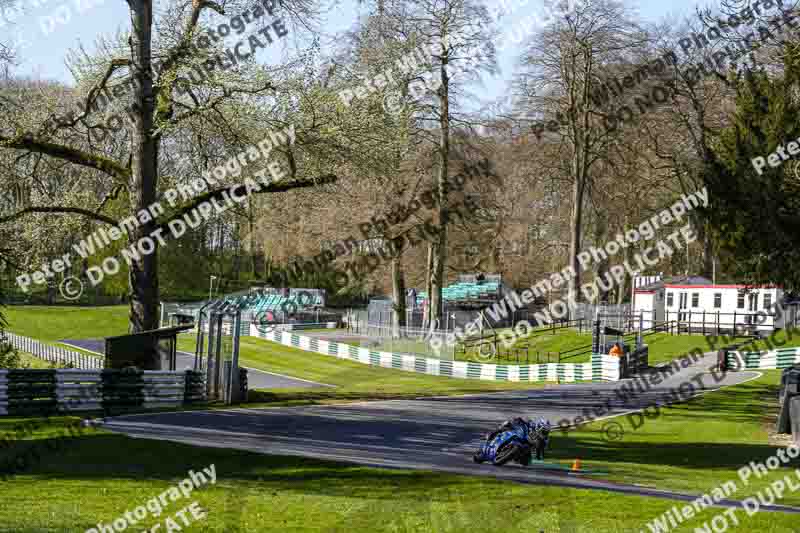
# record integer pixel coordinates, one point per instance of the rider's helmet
(544, 424)
(539, 428)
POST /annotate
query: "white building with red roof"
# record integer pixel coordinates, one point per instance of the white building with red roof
(696, 304)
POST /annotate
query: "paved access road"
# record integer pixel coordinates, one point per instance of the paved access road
(428, 433)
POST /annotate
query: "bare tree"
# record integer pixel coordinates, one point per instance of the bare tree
(463, 46)
(562, 68)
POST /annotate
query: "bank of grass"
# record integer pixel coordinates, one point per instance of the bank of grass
(53, 323)
(29, 361)
(351, 380)
(97, 476)
(689, 447)
(663, 347)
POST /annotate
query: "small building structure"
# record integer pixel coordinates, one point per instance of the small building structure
(694, 304)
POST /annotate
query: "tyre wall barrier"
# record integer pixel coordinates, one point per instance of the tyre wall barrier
(601, 368)
(44, 392)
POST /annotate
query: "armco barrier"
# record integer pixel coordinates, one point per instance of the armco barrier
(601, 368)
(44, 392)
(769, 360)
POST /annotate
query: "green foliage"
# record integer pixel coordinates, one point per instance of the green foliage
(755, 217)
(10, 357)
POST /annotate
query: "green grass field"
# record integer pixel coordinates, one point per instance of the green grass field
(689, 447)
(663, 347)
(97, 476)
(61, 322)
(353, 381)
(50, 324)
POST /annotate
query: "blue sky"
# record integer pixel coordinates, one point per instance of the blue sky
(46, 40)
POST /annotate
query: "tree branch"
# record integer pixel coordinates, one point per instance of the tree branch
(61, 210)
(271, 188)
(170, 64)
(92, 94)
(73, 155)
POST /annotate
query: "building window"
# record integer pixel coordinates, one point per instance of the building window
(740, 301)
(670, 299)
(695, 299)
(717, 300)
(767, 301)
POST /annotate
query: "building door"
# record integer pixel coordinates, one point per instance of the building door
(752, 306)
(682, 305)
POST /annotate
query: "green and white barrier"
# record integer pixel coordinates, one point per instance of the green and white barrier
(601, 368)
(769, 360)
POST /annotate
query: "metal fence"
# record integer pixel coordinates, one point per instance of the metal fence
(188, 308)
(54, 354)
(615, 316)
(410, 341)
(271, 317)
(380, 313)
(738, 322)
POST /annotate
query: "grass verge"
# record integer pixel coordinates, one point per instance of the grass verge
(95, 477)
(53, 323)
(353, 381)
(688, 447)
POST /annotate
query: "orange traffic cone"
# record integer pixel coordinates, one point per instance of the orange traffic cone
(576, 465)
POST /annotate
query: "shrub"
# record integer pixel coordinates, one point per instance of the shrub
(9, 356)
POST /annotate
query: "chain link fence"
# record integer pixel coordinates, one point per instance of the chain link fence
(406, 341)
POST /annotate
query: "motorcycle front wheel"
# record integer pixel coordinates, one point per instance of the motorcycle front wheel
(524, 457)
(506, 453)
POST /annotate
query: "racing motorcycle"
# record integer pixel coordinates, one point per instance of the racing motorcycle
(515, 440)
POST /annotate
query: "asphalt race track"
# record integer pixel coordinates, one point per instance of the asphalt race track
(256, 379)
(428, 433)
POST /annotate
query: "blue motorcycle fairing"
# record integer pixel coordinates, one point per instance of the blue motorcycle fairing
(488, 450)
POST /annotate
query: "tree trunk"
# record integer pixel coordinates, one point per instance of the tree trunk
(398, 295)
(600, 236)
(580, 109)
(143, 279)
(426, 319)
(251, 227)
(707, 253)
(237, 256)
(575, 242)
(440, 247)
(622, 289)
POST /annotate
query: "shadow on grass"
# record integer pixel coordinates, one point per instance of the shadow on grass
(103, 456)
(669, 438)
(667, 442)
